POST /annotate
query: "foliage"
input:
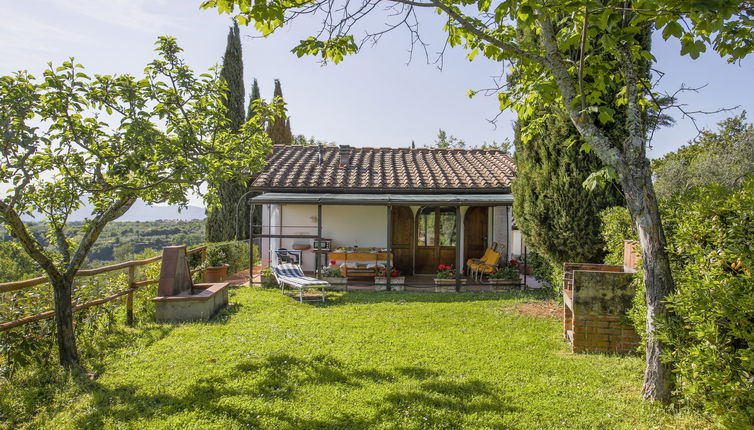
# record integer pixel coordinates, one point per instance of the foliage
(712, 249)
(505, 145)
(725, 157)
(279, 128)
(546, 272)
(33, 344)
(254, 98)
(165, 136)
(229, 221)
(119, 241)
(445, 141)
(445, 271)
(557, 215)
(382, 271)
(332, 272)
(15, 264)
(616, 227)
(216, 256)
(507, 270)
(302, 140)
(382, 360)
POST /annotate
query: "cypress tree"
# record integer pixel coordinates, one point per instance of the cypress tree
(223, 223)
(288, 132)
(558, 216)
(252, 97)
(277, 129)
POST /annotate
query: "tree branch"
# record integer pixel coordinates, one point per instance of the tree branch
(28, 242)
(118, 208)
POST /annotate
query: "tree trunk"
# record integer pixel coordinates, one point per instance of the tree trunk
(637, 185)
(67, 351)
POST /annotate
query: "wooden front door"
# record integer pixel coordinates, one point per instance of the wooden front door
(403, 233)
(435, 238)
(475, 232)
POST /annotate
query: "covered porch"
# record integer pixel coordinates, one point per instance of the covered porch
(411, 232)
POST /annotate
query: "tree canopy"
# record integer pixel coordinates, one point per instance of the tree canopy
(724, 156)
(108, 140)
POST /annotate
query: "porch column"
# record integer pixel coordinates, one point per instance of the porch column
(251, 244)
(388, 260)
(458, 248)
(317, 255)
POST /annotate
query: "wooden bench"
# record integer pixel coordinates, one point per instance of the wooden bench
(355, 263)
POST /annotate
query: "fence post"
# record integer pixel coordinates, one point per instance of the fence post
(130, 297)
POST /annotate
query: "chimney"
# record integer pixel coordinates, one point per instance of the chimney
(345, 155)
(321, 153)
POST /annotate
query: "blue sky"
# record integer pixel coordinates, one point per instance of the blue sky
(371, 99)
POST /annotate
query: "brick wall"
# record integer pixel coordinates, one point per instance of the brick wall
(605, 334)
(596, 299)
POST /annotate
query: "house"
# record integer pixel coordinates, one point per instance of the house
(425, 207)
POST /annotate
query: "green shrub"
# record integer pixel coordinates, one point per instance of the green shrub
(216, 256)
(548, 273)
(711, 336)
(616, 227)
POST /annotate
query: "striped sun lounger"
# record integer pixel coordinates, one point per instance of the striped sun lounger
(292, 275)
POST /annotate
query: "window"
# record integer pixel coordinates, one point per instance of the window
(437, 224)
(447, 227)
(426, 225)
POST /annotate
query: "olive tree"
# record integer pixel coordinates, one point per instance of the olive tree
(606, 39)
(69, 141)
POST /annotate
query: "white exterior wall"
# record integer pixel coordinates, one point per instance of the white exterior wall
(347, 225)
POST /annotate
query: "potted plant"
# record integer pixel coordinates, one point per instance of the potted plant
(215, 268)
(333, 275)
(445, 280)
(507, 276)
(397, 281)
(267, 278)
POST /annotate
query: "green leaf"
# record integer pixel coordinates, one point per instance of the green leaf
(606, 114)
(672, 29)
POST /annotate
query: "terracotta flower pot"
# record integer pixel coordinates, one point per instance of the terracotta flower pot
(216, 273)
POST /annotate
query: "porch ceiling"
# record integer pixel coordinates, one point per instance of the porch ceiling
(385, 199)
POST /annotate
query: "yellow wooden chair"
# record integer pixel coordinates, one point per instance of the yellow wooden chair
(486, 265)
(470, 261)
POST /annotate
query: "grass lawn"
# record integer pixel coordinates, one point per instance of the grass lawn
(363, 360)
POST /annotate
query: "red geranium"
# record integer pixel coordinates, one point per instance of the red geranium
(269, 261)
(513, 262)
(332, 262)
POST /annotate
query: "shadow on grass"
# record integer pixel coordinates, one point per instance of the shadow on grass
(370, 297)
(407, 397)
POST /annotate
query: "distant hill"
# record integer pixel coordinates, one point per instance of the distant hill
(141, 211)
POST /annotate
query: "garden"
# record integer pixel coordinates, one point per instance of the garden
(362, 360)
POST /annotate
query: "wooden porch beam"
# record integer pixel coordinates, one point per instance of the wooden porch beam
(458, 248)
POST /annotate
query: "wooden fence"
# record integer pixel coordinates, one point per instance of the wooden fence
(133, 286)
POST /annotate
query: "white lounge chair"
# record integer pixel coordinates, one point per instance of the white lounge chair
(292, 275)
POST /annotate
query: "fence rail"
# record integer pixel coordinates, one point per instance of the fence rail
(133, 286)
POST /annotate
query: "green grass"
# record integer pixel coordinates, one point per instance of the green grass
(363, 360)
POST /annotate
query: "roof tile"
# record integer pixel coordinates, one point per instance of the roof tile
(297, 168)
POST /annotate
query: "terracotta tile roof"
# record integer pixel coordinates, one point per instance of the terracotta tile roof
(297, 168)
